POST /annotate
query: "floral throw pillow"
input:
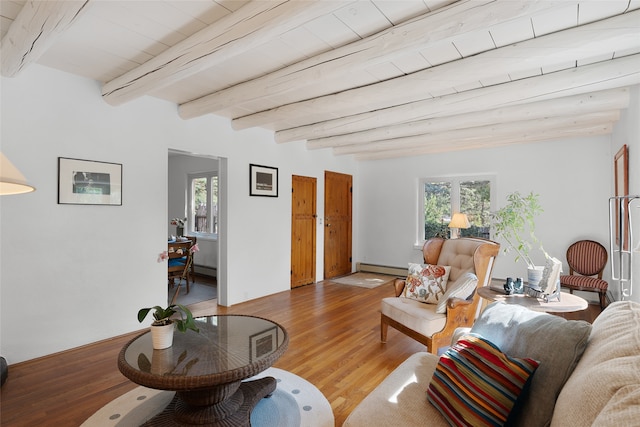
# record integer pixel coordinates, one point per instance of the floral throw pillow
(426, 283)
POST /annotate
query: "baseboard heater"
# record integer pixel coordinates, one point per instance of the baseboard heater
(382, 269)
(206, 271)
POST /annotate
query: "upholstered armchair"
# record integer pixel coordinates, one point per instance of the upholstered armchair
(468, 258)
(586, 259)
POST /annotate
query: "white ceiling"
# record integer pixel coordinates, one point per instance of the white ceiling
(369, 78)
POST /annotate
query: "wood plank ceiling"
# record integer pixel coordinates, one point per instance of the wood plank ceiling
(374, 79)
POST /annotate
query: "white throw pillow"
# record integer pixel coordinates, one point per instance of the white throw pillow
(426, 283)
(462, 288)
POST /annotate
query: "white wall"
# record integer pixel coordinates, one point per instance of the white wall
(71, 275)
(573, 178)
(627, 131)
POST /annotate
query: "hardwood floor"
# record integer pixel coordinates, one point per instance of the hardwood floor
(334, 343)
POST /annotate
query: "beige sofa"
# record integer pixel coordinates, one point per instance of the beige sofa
(588, 375)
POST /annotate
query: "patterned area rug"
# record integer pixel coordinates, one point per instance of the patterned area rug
(295, 403)
(364, 280)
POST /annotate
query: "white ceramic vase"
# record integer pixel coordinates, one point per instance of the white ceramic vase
(162, 361)
(534, 275)
(162, 336)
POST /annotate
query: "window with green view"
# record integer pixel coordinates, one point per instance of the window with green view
(203, 203)
(441, 197)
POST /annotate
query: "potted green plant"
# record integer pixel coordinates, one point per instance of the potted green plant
(164, 323)
(515, 225)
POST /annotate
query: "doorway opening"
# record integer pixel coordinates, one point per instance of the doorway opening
(338, 218)
(303, 230)
(196, 194)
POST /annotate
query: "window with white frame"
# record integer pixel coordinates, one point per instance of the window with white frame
(203, 204)
(440, 198)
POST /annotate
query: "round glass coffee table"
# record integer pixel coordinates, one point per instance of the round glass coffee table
(207, 369)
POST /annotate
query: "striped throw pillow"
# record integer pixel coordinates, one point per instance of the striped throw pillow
(475, 384)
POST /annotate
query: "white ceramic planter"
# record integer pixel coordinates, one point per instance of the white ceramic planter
(534, 275)
(162, 336)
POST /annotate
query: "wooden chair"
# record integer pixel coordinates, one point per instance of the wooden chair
(194, 240)
(419, 320)
(179, 264)
(586, 260)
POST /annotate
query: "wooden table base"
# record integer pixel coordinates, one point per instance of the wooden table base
(231, 412)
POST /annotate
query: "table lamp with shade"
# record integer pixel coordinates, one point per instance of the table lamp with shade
(458, 221)
(11, 180)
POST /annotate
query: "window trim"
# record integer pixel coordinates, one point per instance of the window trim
(190, 202)
(455, 181)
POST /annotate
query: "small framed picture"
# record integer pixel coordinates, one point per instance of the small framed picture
(263, 181)
(88, 182)
(263, 343)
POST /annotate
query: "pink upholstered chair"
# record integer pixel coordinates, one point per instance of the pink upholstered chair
(586, 260)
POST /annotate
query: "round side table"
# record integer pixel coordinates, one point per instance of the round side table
(568, 302)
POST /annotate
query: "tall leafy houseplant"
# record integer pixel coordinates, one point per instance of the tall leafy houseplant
(515, 224)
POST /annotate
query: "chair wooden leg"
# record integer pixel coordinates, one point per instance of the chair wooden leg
(435, 345)
(384, 327)
(603, 300)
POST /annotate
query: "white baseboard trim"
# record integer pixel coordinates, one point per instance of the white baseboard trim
(381, 269)
(206, 271)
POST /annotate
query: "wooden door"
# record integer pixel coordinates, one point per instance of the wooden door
(303, 230)
(337, 224)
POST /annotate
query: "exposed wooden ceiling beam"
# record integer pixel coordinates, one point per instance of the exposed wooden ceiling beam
(34, 30)
(619, 33)
(376, 49)
(232, 35)
(466, 117)
(611, 74)
(492, 142)
(486, 134)
(572, 105)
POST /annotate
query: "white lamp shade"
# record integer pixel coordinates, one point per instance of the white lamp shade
(11, 180)
(459, 220)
